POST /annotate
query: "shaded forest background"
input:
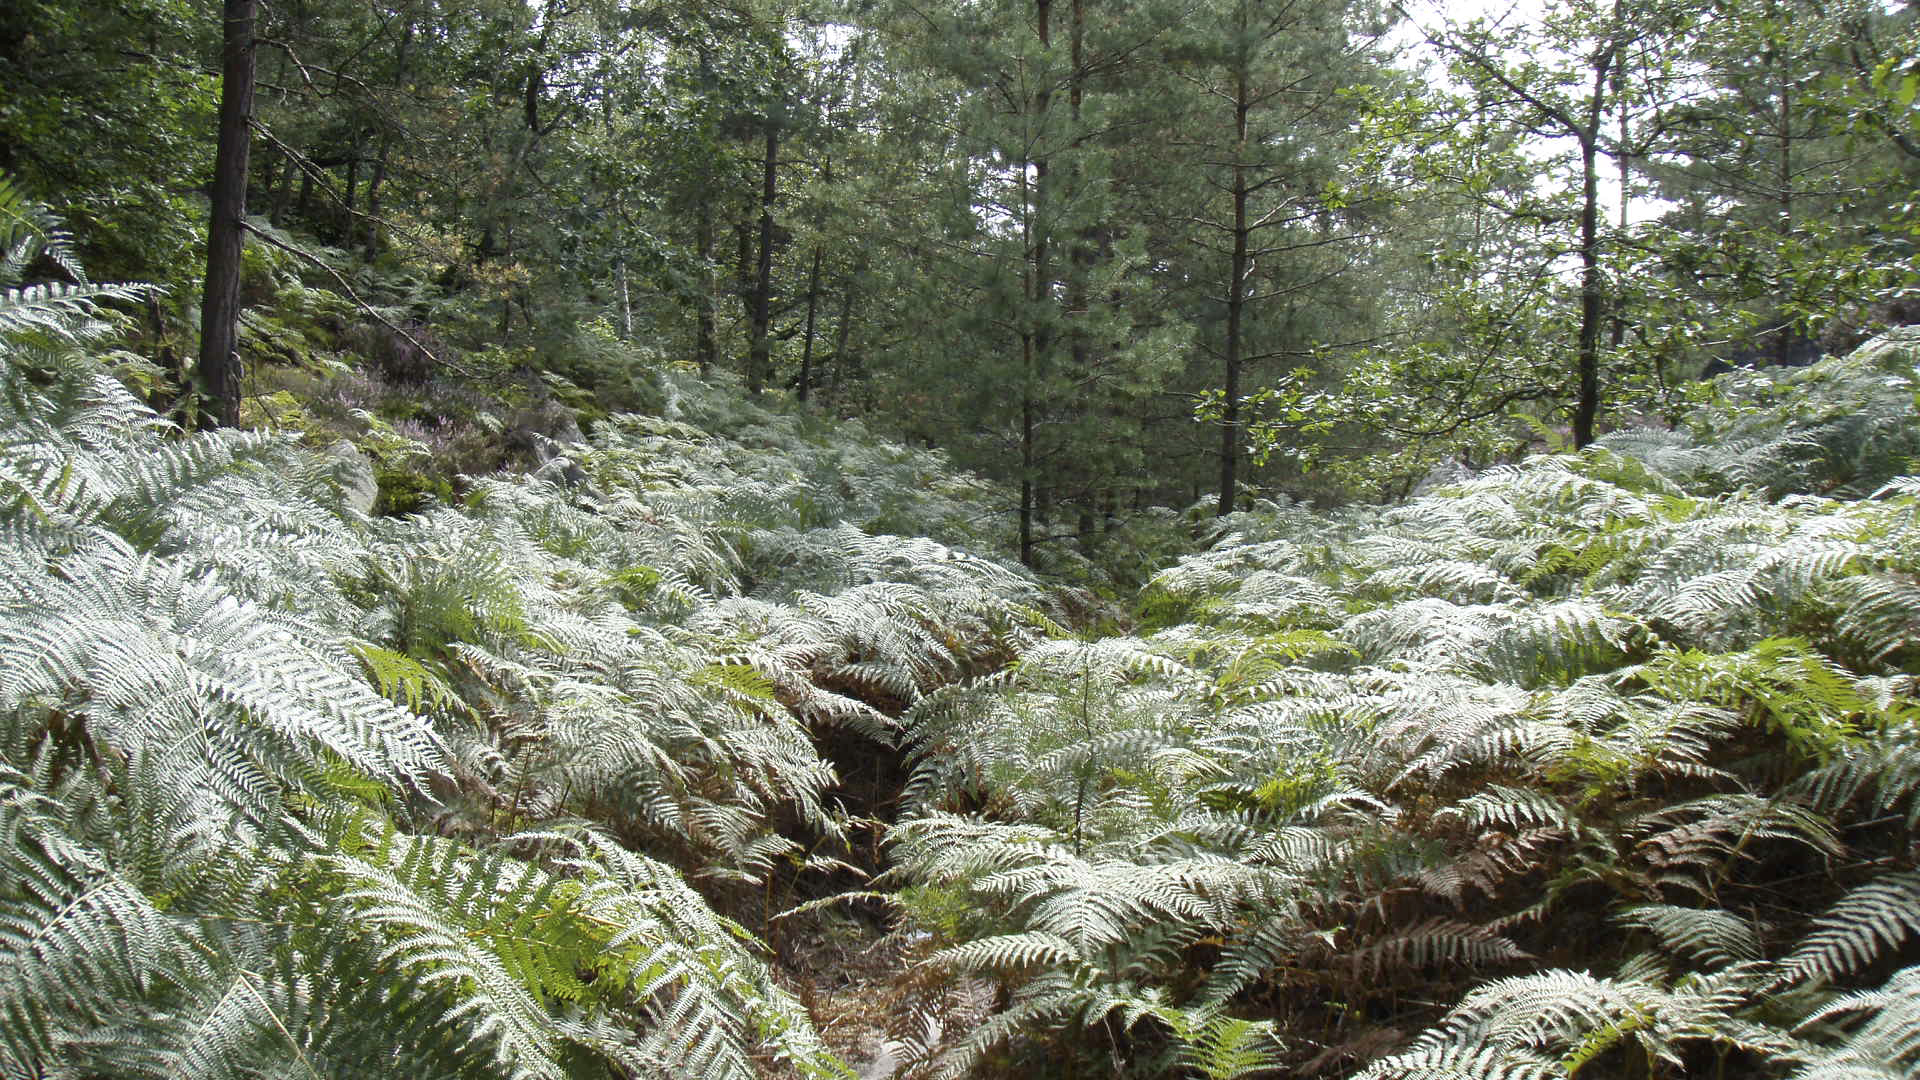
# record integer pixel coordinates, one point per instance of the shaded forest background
(1046, 237)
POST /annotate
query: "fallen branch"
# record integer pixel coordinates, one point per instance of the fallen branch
(346, 288)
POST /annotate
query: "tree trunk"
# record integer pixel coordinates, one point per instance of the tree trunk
(1026, 466)
(813, 306)
(705, 352)
(1592, 302)
(282, 191)
(371, 231)
(760, 351)
(1081, 258)
(841, 333)
(226, 230)
(1236, 294)
(1625, 162)
(380, 161)
(1783, 335)
(1034, 340)
(351, 227)
(626, 300)
(304, 206)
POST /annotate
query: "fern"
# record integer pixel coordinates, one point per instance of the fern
(1221, 1047)
(1712, 937)
(234, 714)
(1431, 943)
(1877, 1032)
(1869, 922)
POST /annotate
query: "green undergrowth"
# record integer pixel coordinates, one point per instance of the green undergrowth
(1602, 764)
(507, 785)
(1599, 764)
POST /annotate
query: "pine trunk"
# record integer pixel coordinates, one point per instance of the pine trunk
(705, 350)
(1592, 299)
(813, 307)
(1236, 300)
(226, 230)
(760, 351)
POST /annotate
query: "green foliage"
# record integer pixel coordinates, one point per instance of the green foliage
(104, 108)
(1393, 748)
(289, 789)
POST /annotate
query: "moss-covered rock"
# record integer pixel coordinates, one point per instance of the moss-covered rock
(406, 491)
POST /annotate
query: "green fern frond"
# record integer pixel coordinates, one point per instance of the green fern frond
(1222, 1047)
(1868, 923)
(1878, 1032)
(59, 311)
(407, 681)
(1713, 937)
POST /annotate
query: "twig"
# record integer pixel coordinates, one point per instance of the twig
(341, 280)
(325, 183)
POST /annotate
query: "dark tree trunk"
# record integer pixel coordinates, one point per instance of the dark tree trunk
(380, 161)
(371, 231)
(1081, 258)
(226, 230)
(813, 306)
(1783, 337)
(760, 350)
(282, 191)
(842, 334)
(1592, 301)
(351, 227)
(1035, 342)
(706, 349)
(304, 206)
(1026, 468)
(743, 266)
(706, 352)
(1625, 161)
(1236, 297)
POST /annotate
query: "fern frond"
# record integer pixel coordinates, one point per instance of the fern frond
(1433, 942)
(1514, 808)
(1009, 952)
(1880, 1032)
(1881, 613)
(57, 310)
(1713, 937)
(1448, 1062)
(1222, 1047)
(1868, 923)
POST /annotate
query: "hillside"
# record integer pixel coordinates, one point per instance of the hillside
(995, 539)
(1598, 763)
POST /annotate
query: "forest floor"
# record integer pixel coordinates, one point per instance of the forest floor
(850, 982)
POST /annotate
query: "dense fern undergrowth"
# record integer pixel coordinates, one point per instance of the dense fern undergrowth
(292, 790)
(1601, 764)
